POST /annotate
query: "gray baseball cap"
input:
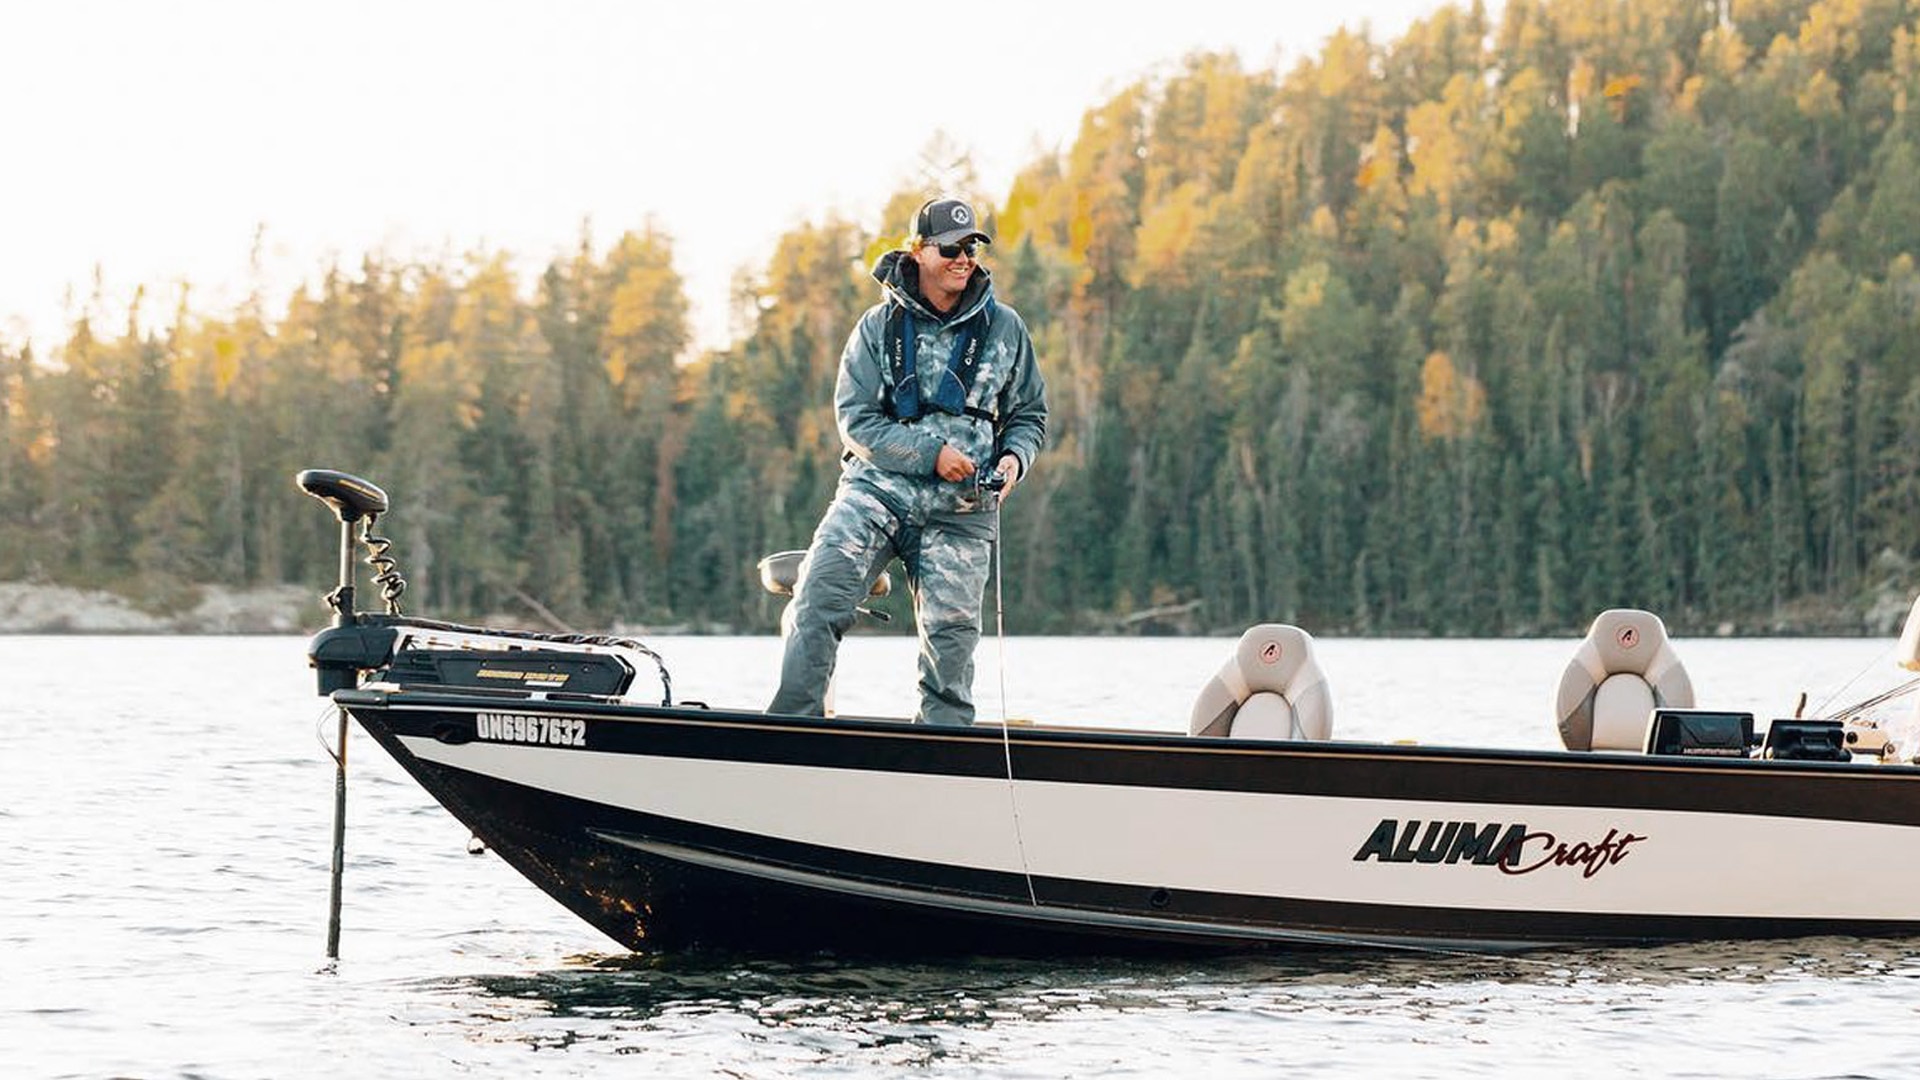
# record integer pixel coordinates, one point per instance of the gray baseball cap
(947, 221)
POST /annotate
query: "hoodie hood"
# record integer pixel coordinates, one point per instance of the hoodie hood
(899, 277)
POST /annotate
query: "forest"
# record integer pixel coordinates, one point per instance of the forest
(1477, 331)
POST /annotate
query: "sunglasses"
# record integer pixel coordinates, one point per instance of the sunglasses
(954, 251)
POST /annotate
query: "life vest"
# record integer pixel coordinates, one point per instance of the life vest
(952, 397)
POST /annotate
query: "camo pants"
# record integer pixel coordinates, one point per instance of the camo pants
(947, 559)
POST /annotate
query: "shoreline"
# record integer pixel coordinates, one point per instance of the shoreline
(207, 610)
(216, 609)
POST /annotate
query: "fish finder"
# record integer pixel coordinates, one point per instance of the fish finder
(1700, 733)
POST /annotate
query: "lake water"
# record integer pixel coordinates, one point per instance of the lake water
(165, 810)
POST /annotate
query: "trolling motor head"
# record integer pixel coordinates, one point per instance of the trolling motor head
(353, 644)
(351, 497)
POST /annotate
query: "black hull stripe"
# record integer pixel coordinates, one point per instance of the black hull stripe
(1081, 919)
(1885, 794)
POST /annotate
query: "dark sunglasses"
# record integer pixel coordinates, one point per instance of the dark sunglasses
(954, 251)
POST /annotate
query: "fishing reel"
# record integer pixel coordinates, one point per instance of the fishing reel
(989, 486)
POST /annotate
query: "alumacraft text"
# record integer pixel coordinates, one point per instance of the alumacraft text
(1515, 849)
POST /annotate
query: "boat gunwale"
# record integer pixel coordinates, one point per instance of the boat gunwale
(1103, 738)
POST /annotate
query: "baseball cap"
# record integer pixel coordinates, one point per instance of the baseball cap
(947, 221)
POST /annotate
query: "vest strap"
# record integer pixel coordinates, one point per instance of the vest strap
(902, 345)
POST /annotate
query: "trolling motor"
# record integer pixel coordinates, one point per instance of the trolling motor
(341, 653)
(403, 653)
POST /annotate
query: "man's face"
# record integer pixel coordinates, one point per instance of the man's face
(943, 279)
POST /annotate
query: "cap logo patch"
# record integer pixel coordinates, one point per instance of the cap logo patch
(961, 216)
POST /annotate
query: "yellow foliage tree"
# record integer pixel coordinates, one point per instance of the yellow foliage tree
(1451, 402)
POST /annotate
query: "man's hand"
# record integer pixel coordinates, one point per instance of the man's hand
(1009, 470)
(952, 465)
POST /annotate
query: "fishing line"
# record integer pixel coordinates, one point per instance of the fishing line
(1882, 698)
(1006, 736)
(1857, 676)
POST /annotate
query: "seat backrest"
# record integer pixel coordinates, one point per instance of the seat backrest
(1270, 688)
(1907, 653)
(1624, 669)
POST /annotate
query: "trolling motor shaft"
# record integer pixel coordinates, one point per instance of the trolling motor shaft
(352, 500)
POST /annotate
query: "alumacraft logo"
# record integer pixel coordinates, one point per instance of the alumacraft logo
(1515, 849)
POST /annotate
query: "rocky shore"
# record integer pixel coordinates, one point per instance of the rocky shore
(206, 609)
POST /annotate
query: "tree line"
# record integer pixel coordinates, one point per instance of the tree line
(1476, 331)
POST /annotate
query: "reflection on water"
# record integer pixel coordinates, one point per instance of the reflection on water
(981, 990)
(831, 1010)
(1738, 961)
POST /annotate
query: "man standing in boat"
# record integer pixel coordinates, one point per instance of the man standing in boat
(939, 401)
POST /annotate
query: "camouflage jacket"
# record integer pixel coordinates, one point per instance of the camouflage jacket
(895, 459)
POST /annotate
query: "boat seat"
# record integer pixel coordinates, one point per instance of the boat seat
(1907, 653)
(780, 572)
(1623, 670)
(1270, 688)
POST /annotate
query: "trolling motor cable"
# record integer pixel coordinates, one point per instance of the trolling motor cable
(320, 732)
(385, 568)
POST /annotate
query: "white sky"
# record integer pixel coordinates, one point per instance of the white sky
(150, 140)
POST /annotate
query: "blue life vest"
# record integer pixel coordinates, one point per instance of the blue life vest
(963, 367)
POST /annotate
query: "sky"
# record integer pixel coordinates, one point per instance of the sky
(248, 146)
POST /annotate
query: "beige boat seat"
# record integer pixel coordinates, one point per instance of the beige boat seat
(1623, 670)
(1907, 653)
(1270, 688)
(780, 573)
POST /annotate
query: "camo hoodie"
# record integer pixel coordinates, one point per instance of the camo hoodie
(894, 459)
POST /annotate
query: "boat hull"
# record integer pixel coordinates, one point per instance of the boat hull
(675, 828)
